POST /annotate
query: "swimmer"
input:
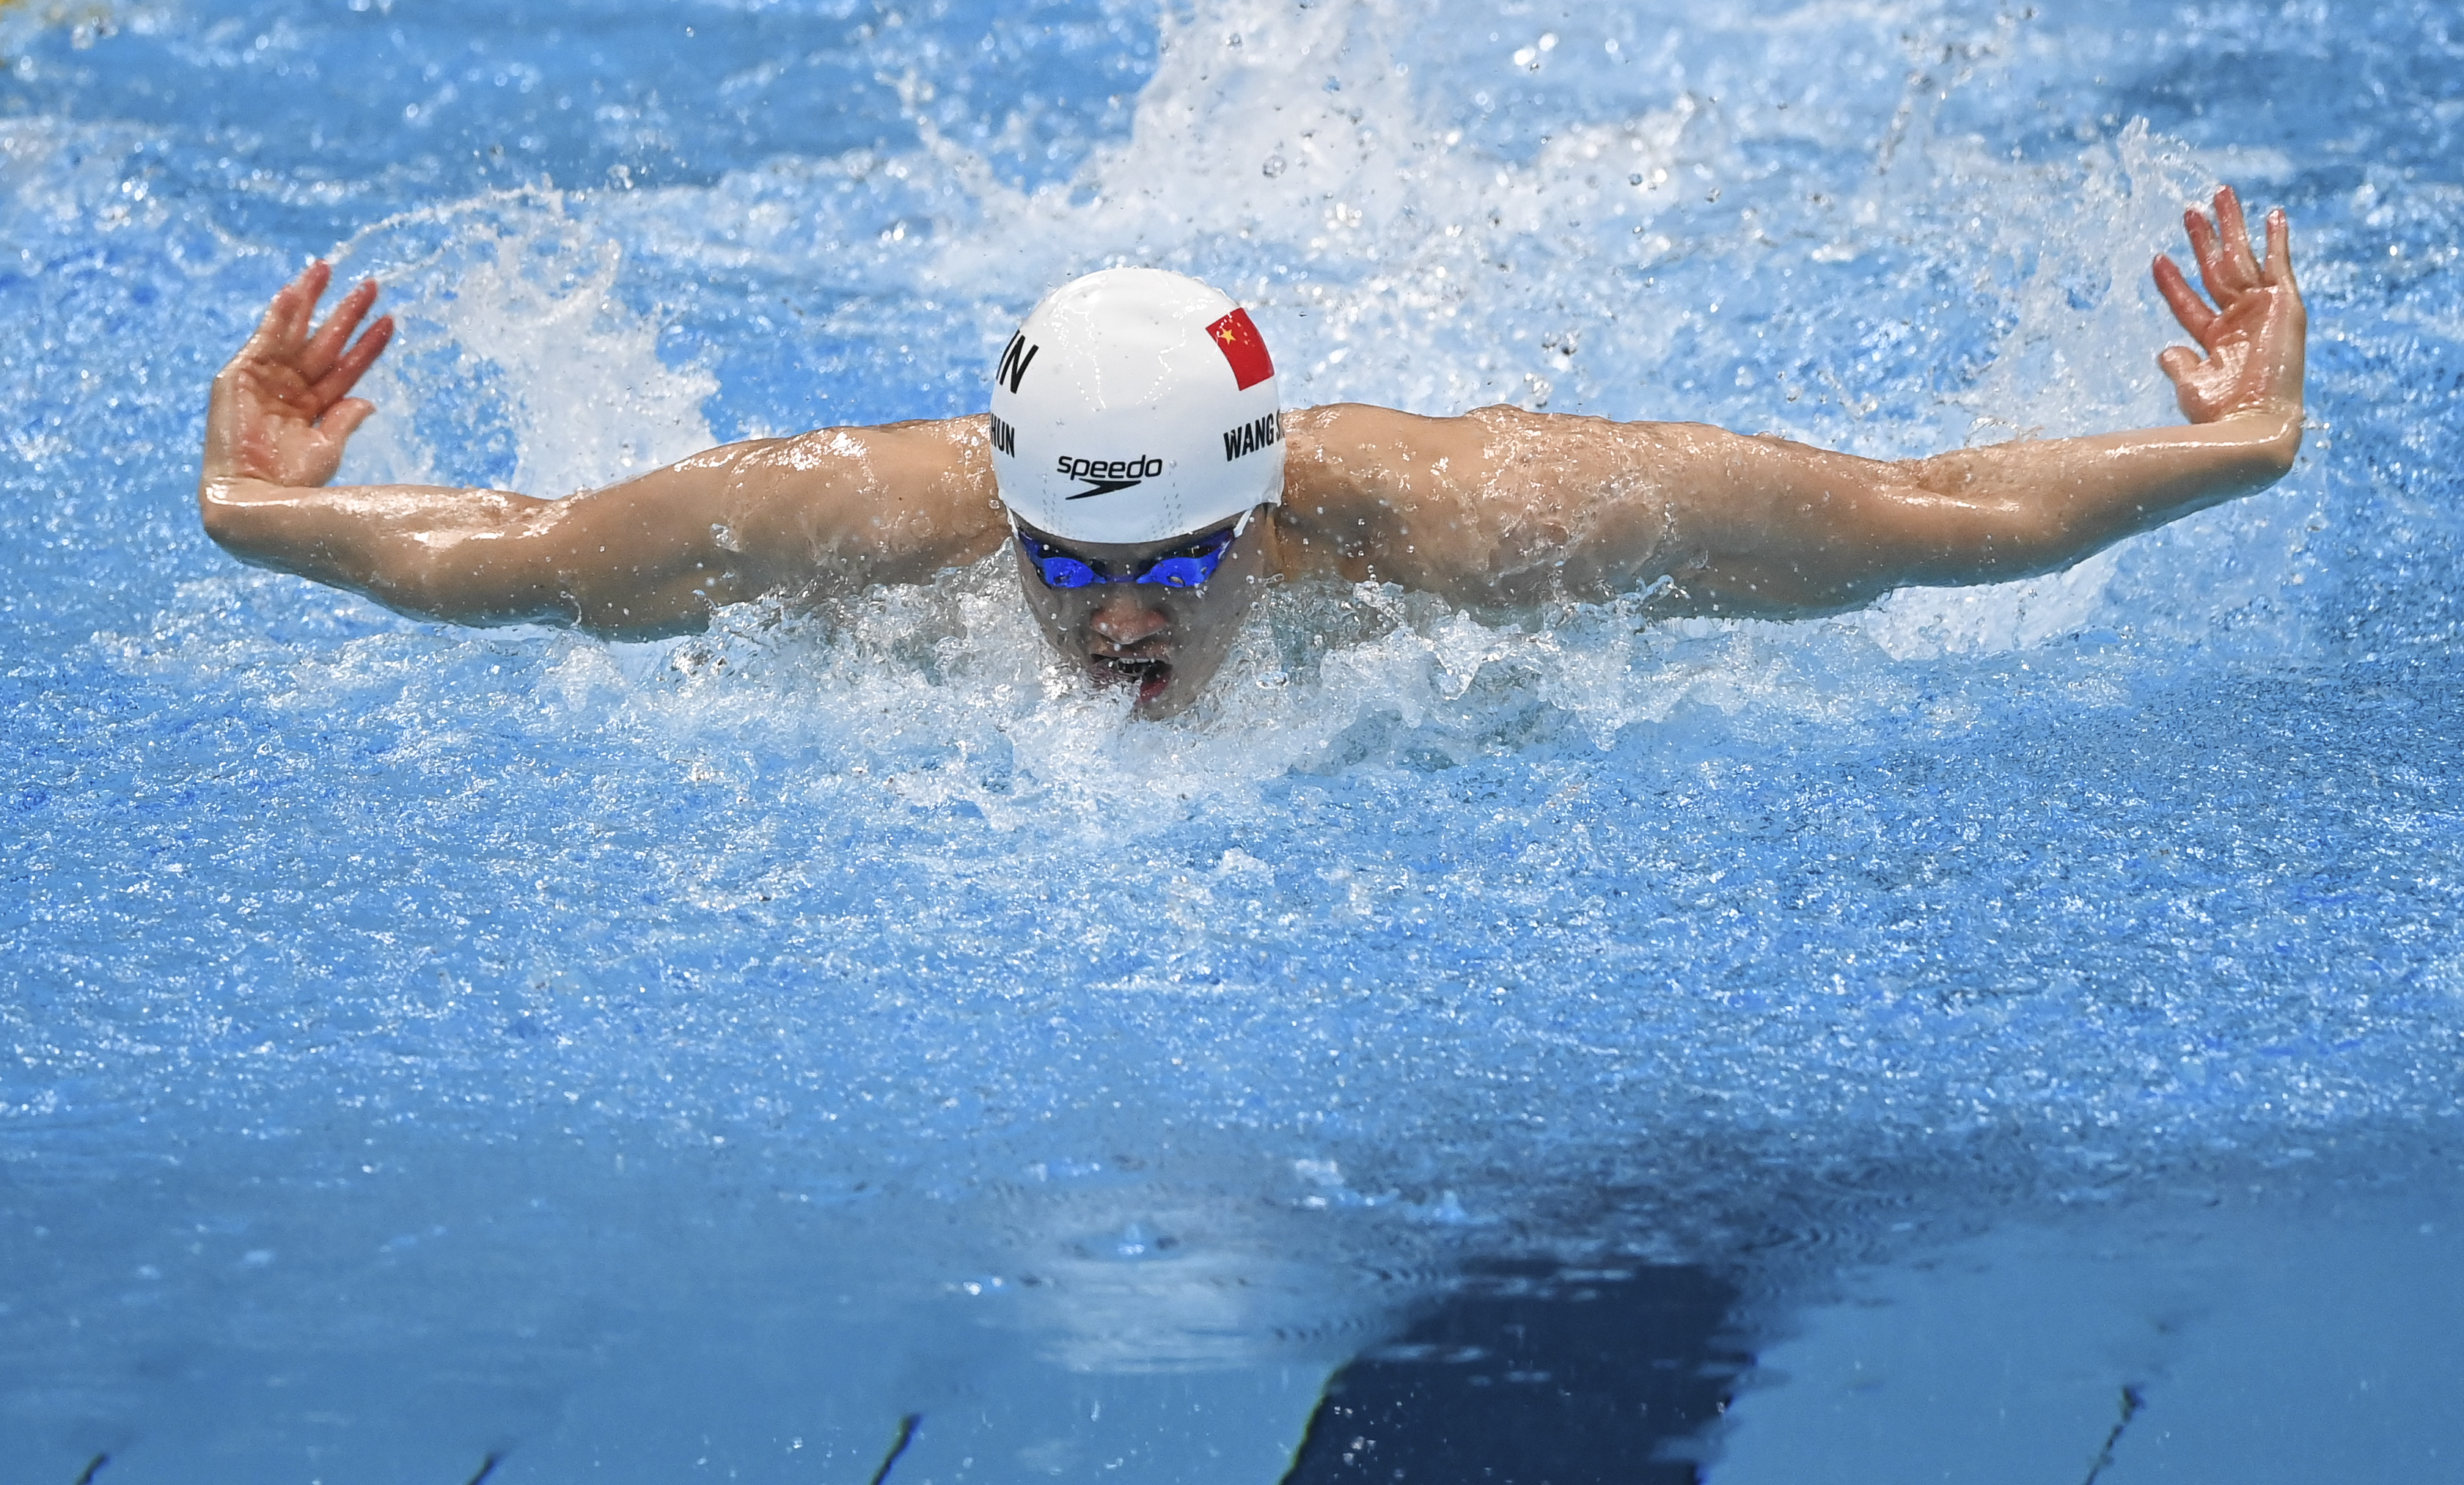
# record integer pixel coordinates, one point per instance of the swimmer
(1137, 463)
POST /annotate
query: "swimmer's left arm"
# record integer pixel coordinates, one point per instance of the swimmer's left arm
(1805, 530)
(1768, 525)
(1504, 505)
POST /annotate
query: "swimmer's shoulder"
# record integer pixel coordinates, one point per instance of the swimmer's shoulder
(1490, 505)
(894, 501)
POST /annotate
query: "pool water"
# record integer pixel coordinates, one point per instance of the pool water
(664, 1061)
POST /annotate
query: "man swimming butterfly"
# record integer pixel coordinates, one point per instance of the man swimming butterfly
(1137, 461)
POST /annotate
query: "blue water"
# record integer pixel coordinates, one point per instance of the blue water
(694, 1056)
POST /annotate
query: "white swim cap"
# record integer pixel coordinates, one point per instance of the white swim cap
(1135, 405)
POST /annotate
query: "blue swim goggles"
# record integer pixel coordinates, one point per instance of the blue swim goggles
(1188, 567)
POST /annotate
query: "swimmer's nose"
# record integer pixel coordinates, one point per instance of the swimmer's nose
(1124, 620)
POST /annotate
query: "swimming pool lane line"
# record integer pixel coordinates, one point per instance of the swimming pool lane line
(86, 1475)
(897, 1445)
(487, 1467)
(2131, 1404)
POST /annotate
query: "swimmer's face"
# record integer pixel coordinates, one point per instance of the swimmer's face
(1167, 642)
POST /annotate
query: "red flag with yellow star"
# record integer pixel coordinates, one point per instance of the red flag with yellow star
(1244, 347)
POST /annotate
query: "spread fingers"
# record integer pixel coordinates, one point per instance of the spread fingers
(2205, 251)
(2217, 268)
(300, 310)
(285, 325)
(2236, 236)
(2279, 249)
(2187, 307)
(353, 363)
(267, 337)
(319, 355)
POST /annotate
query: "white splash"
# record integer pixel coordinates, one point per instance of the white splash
(521, 288)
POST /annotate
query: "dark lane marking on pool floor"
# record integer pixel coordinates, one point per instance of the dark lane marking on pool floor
(897, 1445)
(2131, 1402)
(86, 1478)
(487, 1467)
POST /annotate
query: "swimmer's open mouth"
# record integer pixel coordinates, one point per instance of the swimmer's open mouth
(1149, 676)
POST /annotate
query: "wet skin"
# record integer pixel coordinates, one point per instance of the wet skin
(1167, 642)
(1496, 507)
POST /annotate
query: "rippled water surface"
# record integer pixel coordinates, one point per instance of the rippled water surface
(426, 1044)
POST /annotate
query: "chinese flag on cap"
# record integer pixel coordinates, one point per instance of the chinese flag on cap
(1243, 349)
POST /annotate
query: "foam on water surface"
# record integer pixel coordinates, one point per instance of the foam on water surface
(862, 952)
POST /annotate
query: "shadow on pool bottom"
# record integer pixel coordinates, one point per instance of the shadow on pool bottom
(1530, 1373)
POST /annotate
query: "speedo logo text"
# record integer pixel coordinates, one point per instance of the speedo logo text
(1103, 476)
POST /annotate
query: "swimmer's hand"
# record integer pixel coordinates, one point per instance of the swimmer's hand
(282, 410)
(2253, 337)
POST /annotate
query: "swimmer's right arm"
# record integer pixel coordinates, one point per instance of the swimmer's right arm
(839, 508)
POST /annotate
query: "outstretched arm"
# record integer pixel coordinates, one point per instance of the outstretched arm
(1507, 505)
(840, 507)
